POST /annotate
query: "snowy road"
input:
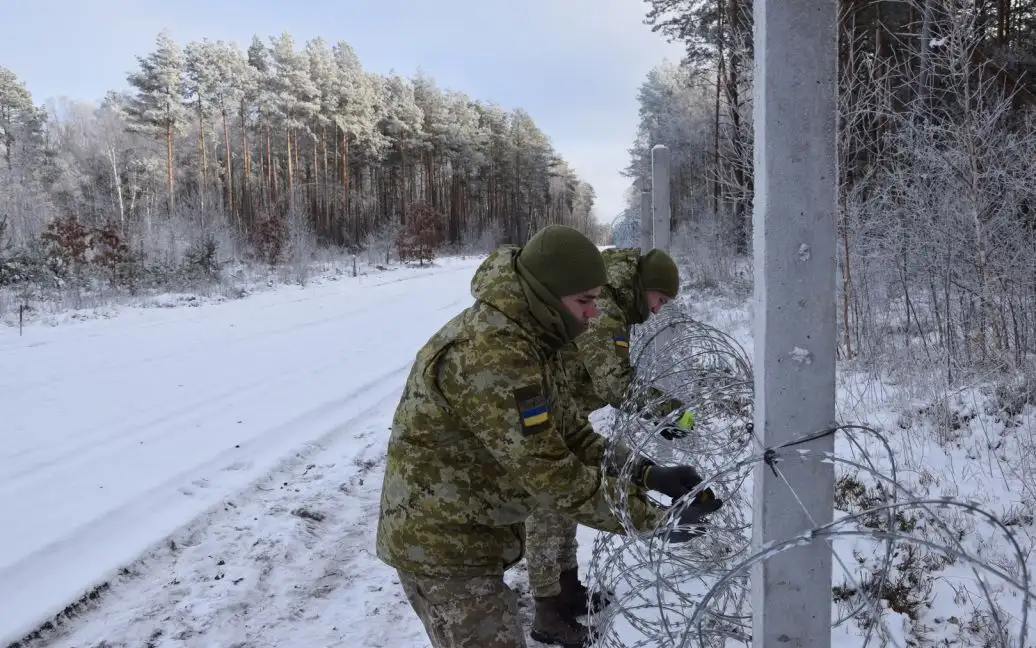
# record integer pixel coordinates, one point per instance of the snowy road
(115, 434)
(216, 472)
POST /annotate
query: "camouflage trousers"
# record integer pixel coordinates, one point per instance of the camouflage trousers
(550, 548)
(465, 612)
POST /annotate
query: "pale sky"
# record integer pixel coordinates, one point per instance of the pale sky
(574, 65)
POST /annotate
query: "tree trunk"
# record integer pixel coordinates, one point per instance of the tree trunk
(117, 185)
(202, 158)
(291, 167)
(169, 162)
(924, 79)
(229, 167)
(346, 212)
(326, 189)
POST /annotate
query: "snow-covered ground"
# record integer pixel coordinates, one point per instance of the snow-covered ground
(119, 432)
(972, 445)
(211, 475)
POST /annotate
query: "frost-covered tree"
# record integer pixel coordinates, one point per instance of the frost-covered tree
(936, 147)
(18, 115)
(296, 98)
(157, 108)
(674, 111)
(278, 142)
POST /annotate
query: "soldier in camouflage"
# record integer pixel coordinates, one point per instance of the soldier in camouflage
(486, 432)
(638, 287)
(599, 373)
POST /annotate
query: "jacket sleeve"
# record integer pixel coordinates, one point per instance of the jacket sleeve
(580, 435)
(579, 384)
(605, 350)
(500, 395)
(590, 447)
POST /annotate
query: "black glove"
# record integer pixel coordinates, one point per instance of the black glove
(670, 433)
(674, 481)
(692, 519)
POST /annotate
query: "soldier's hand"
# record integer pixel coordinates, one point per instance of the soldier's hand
(662, 407)
(669, 406)
(674, 481)
(692, 519)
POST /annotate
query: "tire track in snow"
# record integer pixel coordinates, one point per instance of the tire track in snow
(291, 565)
(226, 524)
(89, 447)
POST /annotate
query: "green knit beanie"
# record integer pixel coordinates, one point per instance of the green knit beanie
(564, 261)
(659, 272)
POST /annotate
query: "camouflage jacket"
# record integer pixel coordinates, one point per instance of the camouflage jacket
(484, 433)
(599, 360)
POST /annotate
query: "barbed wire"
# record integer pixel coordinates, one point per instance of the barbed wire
(698, 593)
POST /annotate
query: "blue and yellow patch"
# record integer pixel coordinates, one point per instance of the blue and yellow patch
(533, 410)
(621, 342)
(535, 416)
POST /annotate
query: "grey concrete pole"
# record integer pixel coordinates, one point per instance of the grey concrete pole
(795, 328)
(660, 210)
(661, 215)
(645, 222)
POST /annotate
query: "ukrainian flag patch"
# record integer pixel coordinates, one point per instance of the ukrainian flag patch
(535, 416)
(621, 342)
(533, 411)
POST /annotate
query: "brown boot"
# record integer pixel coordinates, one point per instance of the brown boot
(554, 625)
(579, 600)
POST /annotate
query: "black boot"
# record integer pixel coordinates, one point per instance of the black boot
(578, 598)
(554, 625)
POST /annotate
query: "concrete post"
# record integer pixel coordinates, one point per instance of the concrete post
(661, 213)
(795, 330)
(661, 216)
(645, 222)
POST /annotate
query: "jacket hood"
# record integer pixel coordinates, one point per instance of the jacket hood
(498, 282)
